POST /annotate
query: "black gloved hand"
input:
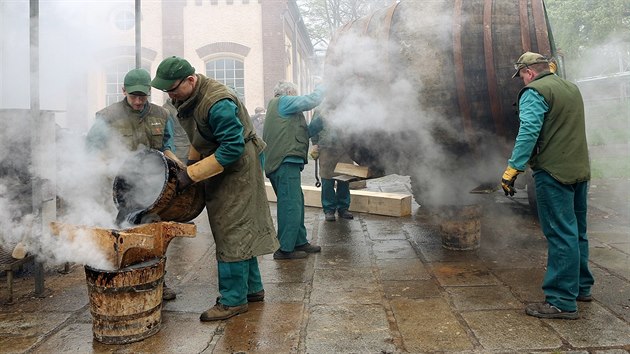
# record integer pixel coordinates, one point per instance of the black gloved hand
(191, 162)
(183, 180)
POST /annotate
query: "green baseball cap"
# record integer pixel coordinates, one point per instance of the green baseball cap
(528, 58)
(170, 70)
(138, 80)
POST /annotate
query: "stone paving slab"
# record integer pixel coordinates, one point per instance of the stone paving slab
(349, 328)
(597, 327)
(265, 328)
(472, 298)
(429, 325)
(511, 330)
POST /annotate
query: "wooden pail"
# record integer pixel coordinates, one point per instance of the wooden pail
(460, 227)
(126, 304)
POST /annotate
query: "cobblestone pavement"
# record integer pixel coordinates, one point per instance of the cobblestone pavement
(380, 285)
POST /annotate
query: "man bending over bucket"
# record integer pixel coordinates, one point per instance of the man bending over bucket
(224, 156)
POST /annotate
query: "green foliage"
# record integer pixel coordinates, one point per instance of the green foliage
(578, 25)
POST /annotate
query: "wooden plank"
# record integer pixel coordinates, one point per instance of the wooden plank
(351, 169)
(345, 178)
(360, 184)
(380, 203)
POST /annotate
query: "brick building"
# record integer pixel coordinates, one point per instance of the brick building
(247, 44)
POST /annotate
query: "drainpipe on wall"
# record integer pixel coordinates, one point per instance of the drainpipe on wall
(138, 35)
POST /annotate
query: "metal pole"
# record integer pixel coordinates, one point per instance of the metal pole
(36, 185)
(138, 36)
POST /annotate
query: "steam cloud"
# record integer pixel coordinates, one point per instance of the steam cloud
(72, 40)
(374, 98)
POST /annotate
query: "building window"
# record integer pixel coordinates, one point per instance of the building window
(115, 79)
(124, 20)
(228, 71)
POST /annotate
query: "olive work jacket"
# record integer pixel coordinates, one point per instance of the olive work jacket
(561, 149)
(135, 128)
(236, 199)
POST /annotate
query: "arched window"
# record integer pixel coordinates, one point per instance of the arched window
(228, 71)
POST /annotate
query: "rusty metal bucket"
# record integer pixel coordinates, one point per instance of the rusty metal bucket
(126, 304)
(145, 188)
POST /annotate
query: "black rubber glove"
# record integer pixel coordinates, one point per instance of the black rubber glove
(183, 180)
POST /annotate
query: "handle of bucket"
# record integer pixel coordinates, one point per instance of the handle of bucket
(317, 182)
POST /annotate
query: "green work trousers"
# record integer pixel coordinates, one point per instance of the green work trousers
(287, 184)
(335, 199)
(562, 214)
(237, 280)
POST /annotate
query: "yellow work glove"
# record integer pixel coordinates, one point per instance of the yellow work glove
(507, 181)
(314, 152)
(198, 171)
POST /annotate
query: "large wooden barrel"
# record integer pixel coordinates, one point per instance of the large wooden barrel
(458, 57)
(145, 187)
(126, 304)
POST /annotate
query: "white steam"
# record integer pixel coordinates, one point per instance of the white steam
(73, 40)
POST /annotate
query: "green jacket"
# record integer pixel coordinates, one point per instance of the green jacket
(135, 128)
(284, 137)
(236, 199)
(561, 149)
(331, 151)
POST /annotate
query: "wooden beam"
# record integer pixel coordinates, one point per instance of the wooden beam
(352, 170)
(380, 203)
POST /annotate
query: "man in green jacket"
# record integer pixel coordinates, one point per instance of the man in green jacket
(224, 156)
(286, 133)
(327, 151)
(133, 123)
(552, 141)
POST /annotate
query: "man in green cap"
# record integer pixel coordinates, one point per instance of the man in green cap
(134, 123)
(224, 156)
(552, 141)
(327, 151)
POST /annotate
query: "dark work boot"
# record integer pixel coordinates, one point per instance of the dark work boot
(344, 214)
(329, 216)
(256, 297)
(222, 312)
(289, 255)
(168, 294)
(547, 310)
(308, 248)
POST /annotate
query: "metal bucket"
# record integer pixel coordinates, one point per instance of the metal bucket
(460, 227)
(145, 187)
(126, 304)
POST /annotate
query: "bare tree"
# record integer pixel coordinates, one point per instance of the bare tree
(324, 17)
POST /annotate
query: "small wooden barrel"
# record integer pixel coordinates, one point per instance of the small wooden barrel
(126, 304)
(147, 182)
(461, 227)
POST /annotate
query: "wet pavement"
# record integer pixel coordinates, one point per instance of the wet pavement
(380, 285)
